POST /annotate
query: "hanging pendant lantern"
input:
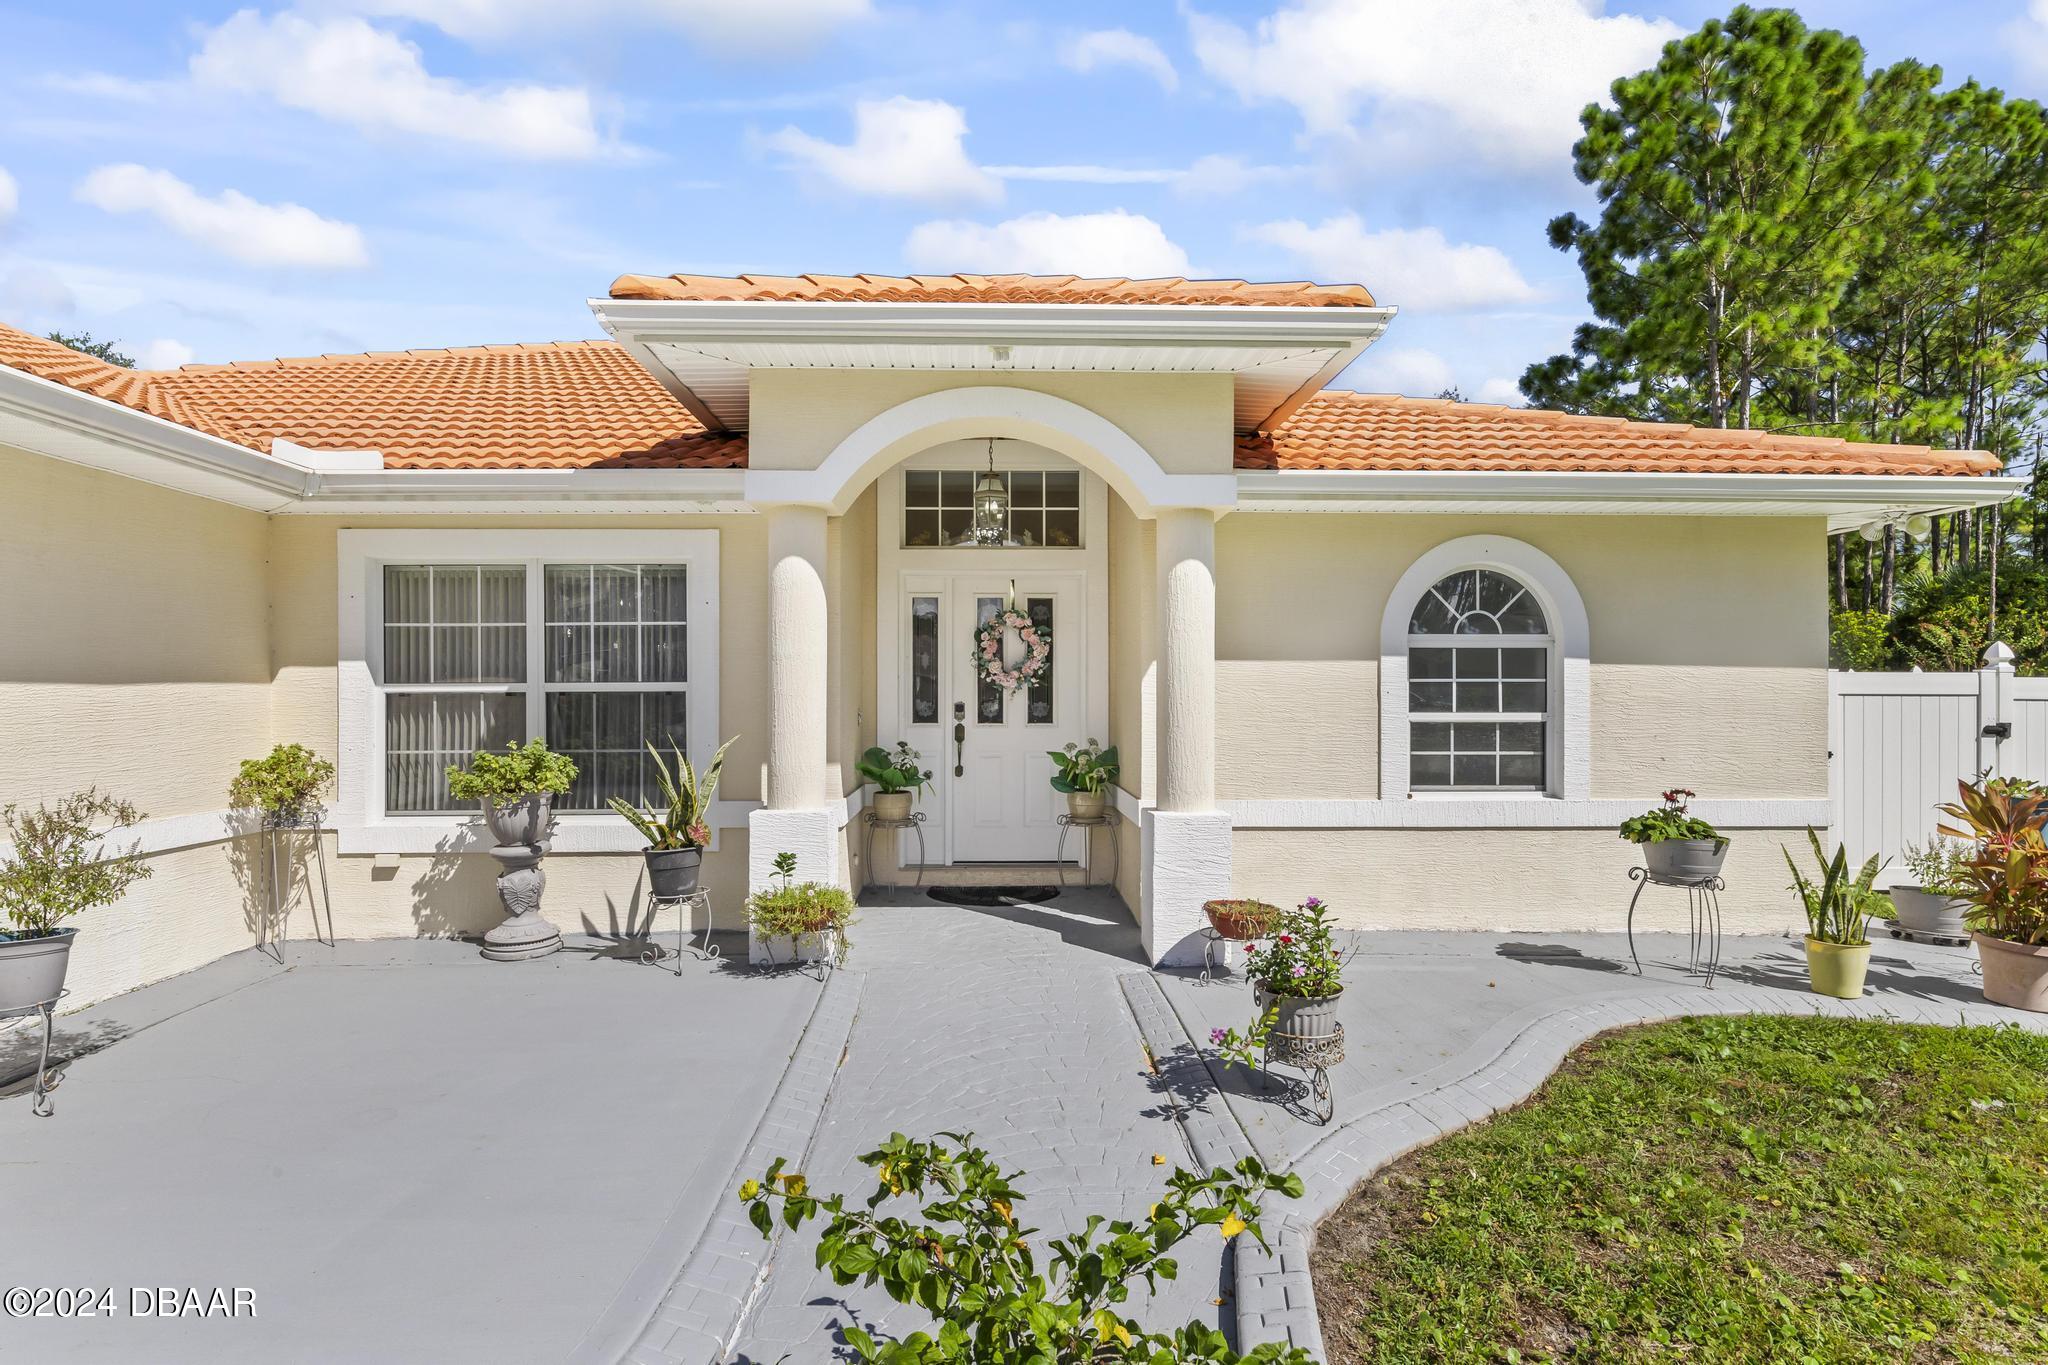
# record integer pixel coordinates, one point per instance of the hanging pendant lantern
(991, 505)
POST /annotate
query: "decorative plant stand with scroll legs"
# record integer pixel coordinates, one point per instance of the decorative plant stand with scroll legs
(914, 822)
(1108, 820)
(40, 1104)
(705, 950)
(1313, 1055)
(1703, 909)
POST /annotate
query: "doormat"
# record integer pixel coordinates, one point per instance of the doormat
(991, 895)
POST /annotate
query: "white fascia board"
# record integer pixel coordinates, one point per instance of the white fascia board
(523, 490)
(327, 461)
(68, 424)
(1085, 324)
(1858, 496)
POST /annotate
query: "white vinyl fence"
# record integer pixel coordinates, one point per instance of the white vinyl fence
(1899, 742)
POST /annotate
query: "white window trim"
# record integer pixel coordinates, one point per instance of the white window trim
(1570, 771)
(360, 821)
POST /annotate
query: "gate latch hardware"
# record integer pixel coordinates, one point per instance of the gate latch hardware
(1998, 729)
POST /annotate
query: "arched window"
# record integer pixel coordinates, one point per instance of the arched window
(1484, 673)
(1479, 689)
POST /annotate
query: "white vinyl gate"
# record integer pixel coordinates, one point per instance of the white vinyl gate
(1899, 742)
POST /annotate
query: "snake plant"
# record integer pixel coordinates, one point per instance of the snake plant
(681, 825)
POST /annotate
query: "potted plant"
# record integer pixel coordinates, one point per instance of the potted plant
(676, 835)
(799, 921)
(516, 789)
(1837, 948)
(1297, 974)
(2008, 915)
(897, 778)
(52, 871)
(1084, 772)
(1935, 903)
(283, 787)
(1242, 920)
(1677, 846)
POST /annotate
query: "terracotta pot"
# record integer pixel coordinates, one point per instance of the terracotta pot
(1837, 969)
(1300, 1016)
(672, 872)
(1241, 920)
(892, 805)
(1686, 860)
(524, 821)
(1086, 805)
(32, 969)
(1922, 912)
(2015, 974)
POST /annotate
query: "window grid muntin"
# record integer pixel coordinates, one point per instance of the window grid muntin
(533, 693)
(1045, 507)
(1472, 726)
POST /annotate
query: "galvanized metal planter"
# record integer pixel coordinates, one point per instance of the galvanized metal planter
(32, 969)
(1685, 860)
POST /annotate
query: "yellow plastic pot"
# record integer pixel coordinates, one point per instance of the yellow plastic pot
(1837, 969)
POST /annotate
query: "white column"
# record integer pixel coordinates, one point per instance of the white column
(797, 814)
(1186, 839)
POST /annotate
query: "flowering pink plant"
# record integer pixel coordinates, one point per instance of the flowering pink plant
(1303, 959)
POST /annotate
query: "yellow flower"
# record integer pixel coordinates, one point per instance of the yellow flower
(1232, 1226)
(1002, 1206)
(749, 1189)
(794, 1183)
(1158, 1160)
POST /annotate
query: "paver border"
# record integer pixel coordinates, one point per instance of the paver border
(1510, 1061)
(697, 1317)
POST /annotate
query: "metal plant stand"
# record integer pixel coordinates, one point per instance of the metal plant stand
(1703, 908)
(40, 1105)
(914, 822)
(276, 834)
(1314, 1055)
(1212, 944)
(1108, 820)
(706, 950)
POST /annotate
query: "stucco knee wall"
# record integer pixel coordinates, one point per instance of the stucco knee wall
(1502, 880)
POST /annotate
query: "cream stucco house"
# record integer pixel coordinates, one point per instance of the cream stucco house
(742, 514)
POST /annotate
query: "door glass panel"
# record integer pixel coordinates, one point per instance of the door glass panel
(924, 661)
(988, 698)
(1038, 696)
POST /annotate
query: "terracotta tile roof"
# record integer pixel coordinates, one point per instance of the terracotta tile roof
(1342, 430)
(557, 405)
(587, 404)
(983, 289)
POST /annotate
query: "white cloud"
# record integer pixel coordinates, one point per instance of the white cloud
(1411, 267)
(1219, 176)
(163, 354)
(1208, 176)
(1088, 175)
(231, 222)
(1414, 371)
(10, 196)
(1498, 390)
(1120, 47)
(2027, 36)
(902, 149)
(1455, 79)
(1112, 243)
(764, 27)
(35, 296)
(348, 71)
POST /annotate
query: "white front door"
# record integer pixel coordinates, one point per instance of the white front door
(1002, 804)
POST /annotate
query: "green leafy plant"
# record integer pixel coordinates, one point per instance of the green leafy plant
(1085, 768)
(518, 772)
(1856, 640)
(1941, 867)
(1301, 957)
(1837, 905)
(969, 1263)
(285, 785)
(53, 868)
(1248, 1048)
(680, 824)
(1669, 821)
(796, 908)
(2009, 872)
(894, 770)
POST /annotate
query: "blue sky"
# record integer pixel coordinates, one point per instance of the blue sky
(209, 183)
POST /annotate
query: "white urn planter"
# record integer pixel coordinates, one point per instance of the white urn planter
(32, 969)
(521, 829)
(1685, 860)
(1928, 915)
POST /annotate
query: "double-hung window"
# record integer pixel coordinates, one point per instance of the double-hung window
(598, 642)
(1479, 686)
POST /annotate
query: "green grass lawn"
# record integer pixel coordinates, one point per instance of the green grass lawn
(1754, 1189)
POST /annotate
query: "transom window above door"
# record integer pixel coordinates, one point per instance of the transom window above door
(1045, 507)
(1479, 686)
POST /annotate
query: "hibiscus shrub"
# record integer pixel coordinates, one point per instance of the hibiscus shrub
(969, 1263)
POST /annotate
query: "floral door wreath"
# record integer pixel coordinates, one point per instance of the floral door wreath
(988, 649)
